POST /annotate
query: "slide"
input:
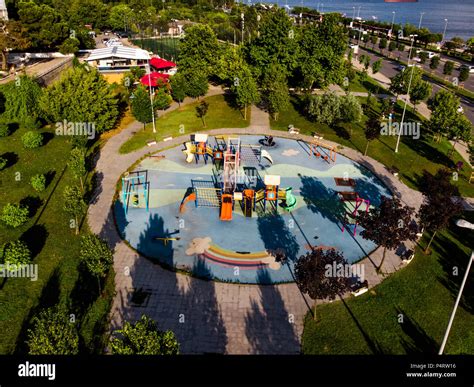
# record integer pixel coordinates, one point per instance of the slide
(226, 208)
(188, 198)
(189, 152)
(267, 156)
(290, 200)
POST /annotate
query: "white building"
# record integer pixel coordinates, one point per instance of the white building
(118, 58)
(3, 10)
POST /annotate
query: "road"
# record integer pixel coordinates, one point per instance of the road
(391, 67)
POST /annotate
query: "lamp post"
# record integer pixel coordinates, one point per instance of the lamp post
(445, 26)
(358, 11)
(151, 97)
(421, 17)
(408, 93)
(465, 224)
(391, 26)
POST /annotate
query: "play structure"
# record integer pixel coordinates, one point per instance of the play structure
(235, 178)
(321, 149)
(135, 187)
(353, 205)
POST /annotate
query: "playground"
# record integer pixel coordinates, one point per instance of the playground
(243, 209)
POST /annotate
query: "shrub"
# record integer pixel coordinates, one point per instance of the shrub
(4, 129)
(32, 140)
(14, 215)
(38, 182)
(16, 254)
(3, 163)
(31, 123)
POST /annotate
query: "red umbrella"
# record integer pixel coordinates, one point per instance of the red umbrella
(153, 79)
(160, 63)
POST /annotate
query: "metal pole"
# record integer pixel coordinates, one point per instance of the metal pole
(407, 96)
(421, 17)
(445, 26)
(151, 97)
(448, 329)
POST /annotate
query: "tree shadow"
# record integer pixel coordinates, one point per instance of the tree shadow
(47, 137)
(275, 235)
(35, 237)
(33, 203)
(342, 132)
(267, 325)
(49, 297)
(423, 148)
(373, 345)
(85, 291)
(11, 157)
(94, 189)
(50, 177)
(419, 341)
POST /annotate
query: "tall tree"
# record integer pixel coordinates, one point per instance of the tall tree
(96, 256)
(376, 66)
(74, 204)
(77, 164)
(420, 92)
(388, 225)
(275, 90)
(434, 63)
(179, 85)
(448, 67)
(197, 85)
(141, 105)
(460, 131)
(162, 100)
(13, 36)
(143, 338)
(399, 83)
(325, 109)
(372, 131)
(438, 207)
(201, 111)
(311, 274)
(444, 112)
(245, 89)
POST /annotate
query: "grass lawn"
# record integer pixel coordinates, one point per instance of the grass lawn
(359, 84)
(220, 115)
(55, 248)
(413, 155)
(406, 313)
(165, 47)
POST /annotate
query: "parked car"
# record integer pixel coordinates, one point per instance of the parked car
(471, 68)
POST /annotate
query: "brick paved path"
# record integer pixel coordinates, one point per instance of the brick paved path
(208, 316)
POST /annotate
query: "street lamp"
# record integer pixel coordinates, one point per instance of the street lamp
(358, 11)
(421, 17)
(360, 30)
(408, 93)
(445, 26)
(151, 97)
(465, 224)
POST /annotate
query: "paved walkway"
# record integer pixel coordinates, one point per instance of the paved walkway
(208, 316)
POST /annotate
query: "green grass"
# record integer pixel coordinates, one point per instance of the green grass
(220, 115)
(165, 47)
(413, 155)
(359, 84)
(53, 243)
(422, 294)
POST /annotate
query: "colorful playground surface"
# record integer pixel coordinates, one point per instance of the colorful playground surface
(228, 208)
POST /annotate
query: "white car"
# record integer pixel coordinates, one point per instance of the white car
(471, 68)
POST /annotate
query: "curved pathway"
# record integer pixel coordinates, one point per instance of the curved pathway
(211, 317)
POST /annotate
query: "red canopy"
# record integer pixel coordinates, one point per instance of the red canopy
(153, 79)
(160, 63)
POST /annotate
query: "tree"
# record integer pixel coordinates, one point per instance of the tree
(179, 86)
(13, 36)
(420, 92)
(350, 109)
(81, 96)
(245, 89)
(197, 85)
(120, 17)
(311, 275)
(277, 43)
(96, 256)
(399, 83)
(372, 131)
(423, 55)
(44, 25)
(383, 44)
(365, 61)
(53, 333)
(321, 53)
(14, 215)
(275, 90)
(392, 46)
(438, 207)
(77, 164)
(434, 63)
(463, 74)
(141, 105)
(374, 40)
(74, 204)
(16, 254)
(376, 66)
(460, 131)
(201, 111)
(93, 12)
(38, 182)
(325, 108)
(69, 46)
(161, 99)
(444, 112)
(448, 67)
(388, 225)
(197, 50)
(32, 140)
(144, 338)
